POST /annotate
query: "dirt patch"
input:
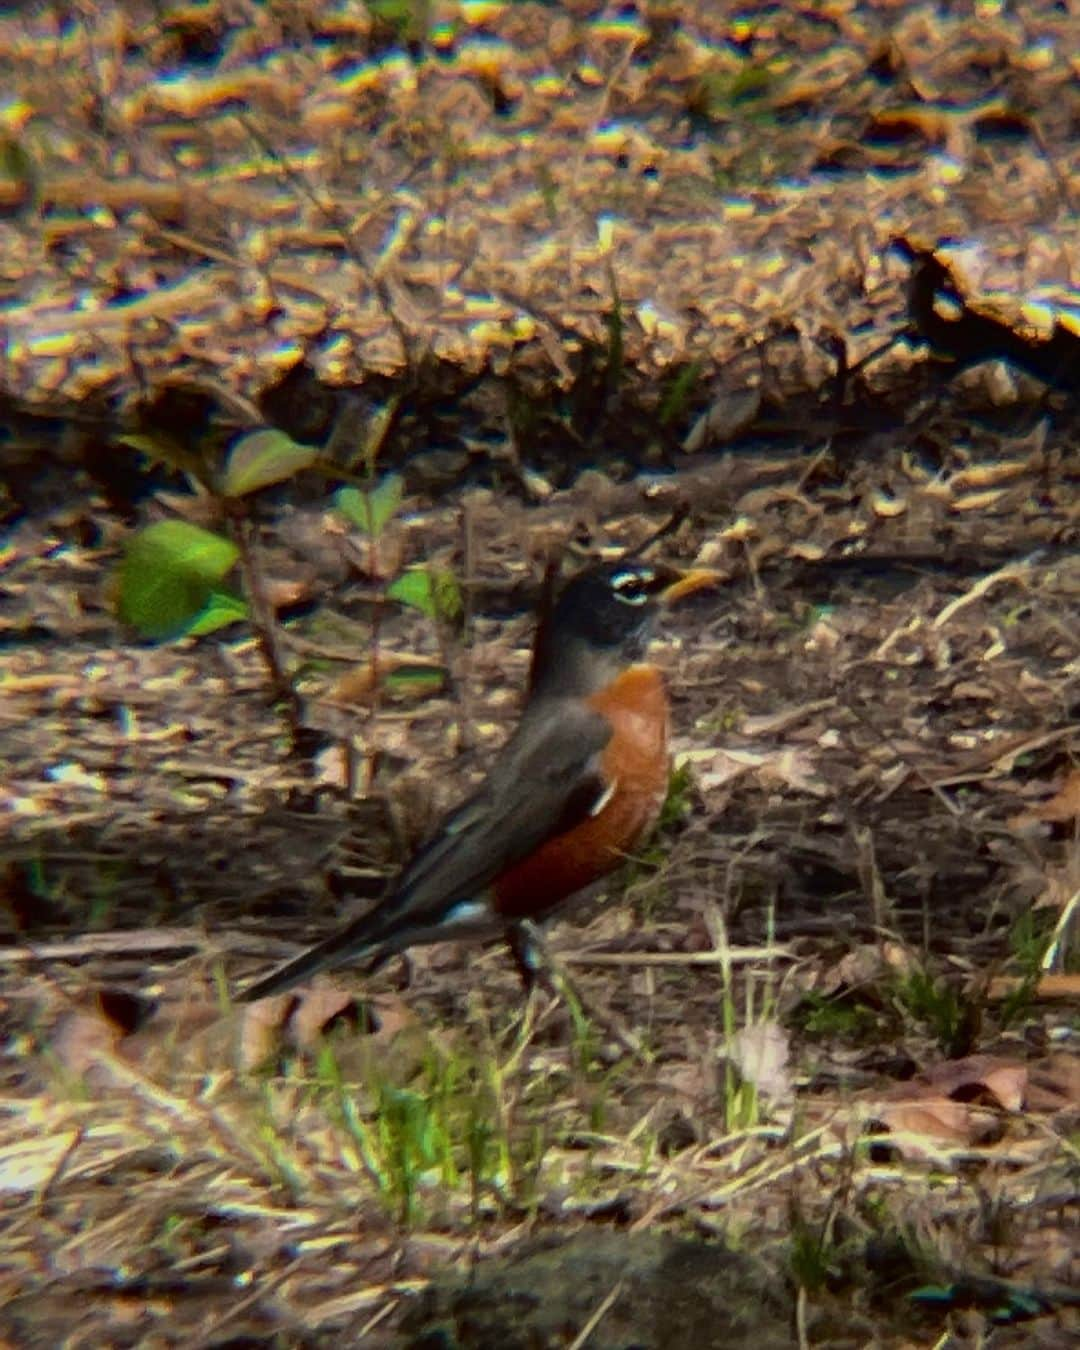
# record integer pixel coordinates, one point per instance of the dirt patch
(650, 1290)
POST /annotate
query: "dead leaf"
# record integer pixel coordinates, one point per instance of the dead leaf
(260, 1029)
(864, 967)
(284, 591)
(319, 1005)
(761, 1052)
(989, 475)
(974, 689)
(794, 768)
(948, 1103)
(1055, 1084)
(787, 766)
(725, 419)
(399, 674)
(1059, 809)
(771, 723)
(29, 1164)
(695, 1080)
(934, 1117)
(300, 1019)
(1048, 987)
(724, 767)
(1002, 1079)
(83, 1038)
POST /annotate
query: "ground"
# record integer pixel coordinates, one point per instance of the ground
(850, 951)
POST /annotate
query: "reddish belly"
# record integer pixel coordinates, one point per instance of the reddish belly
(636, 758)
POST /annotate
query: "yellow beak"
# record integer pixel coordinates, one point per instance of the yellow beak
(695, 579)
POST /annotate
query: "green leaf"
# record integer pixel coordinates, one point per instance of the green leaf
(162, 449)
(168, 574)
(414, 681)
(221, 609)
(414, 588)
(383, 502)
(351, 503)
(675, 399)
(447, 596)
(262, 458)
(371, 511)
(434, 593)
(18, 177)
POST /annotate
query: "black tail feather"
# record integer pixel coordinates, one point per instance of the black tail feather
(333, 952)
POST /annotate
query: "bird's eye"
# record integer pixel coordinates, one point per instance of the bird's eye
(632, 586)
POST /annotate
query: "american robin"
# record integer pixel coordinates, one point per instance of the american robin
(568, 797)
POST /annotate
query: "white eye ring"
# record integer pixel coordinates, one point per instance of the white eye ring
(631, 586)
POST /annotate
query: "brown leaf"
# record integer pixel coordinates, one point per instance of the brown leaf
(82, 1038)
(1003, 1080)
(943, 1104)
(284, 591)
(319, 1005)
(932, 1117)
(260, 1029)
(789, 766)
(1055, 1085)
(299, 1020)
(399, 674)
(1061, 808)
(917, 1112)
(863, 968)
(695, 1080)
(725, 419)
(1050, 986)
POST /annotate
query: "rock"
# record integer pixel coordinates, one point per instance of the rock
(672, 1292)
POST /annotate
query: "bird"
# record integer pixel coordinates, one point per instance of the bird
(575, 788)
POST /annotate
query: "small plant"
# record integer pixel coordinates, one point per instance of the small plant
(433, 591)
(741, 1106)
(103, 893)
(937, 1005)
(679, 799)
(402, 21)
(813, 1256)
(616, 345)
(371, 508)
(842, 1016)
(1030, 940)
(426, 1139)
(172, 582)
(678, 392)
(175, 578)
(19, 172)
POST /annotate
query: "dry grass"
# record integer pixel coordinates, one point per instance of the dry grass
(318, 212)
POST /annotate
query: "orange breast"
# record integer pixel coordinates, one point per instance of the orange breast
(635, 760)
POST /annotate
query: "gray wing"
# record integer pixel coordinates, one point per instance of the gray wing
(546, 779)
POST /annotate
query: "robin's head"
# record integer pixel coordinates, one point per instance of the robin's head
(603, 620)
